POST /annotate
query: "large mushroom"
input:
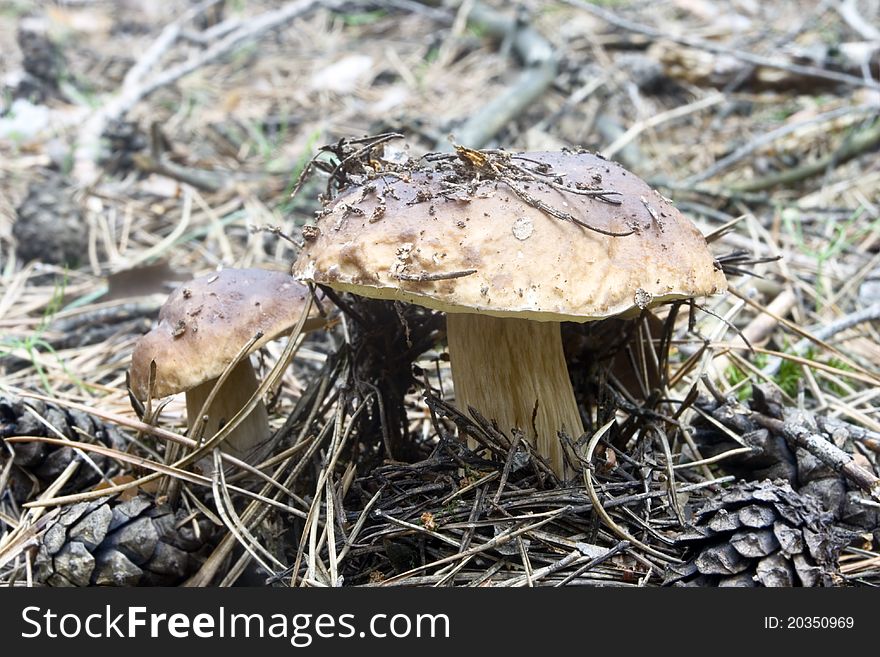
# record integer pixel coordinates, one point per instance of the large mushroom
(203, 326)
(509, 246)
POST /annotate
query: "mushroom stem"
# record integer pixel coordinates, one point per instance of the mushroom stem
(513, 371)
(253, 431)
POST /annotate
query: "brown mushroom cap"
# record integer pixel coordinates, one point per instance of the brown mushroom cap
(205, 323)
(488, 251)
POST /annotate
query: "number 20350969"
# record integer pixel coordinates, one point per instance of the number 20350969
(809, 622)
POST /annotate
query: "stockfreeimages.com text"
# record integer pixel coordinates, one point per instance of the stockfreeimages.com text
(300, 629)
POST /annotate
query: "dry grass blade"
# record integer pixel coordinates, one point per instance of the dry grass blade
(658, 119)
(62, 500)
(597, 503)
(233, 522)
(310, 532)
(502, 538)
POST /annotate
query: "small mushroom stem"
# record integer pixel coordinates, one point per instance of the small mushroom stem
(253, 431)
(513, 371)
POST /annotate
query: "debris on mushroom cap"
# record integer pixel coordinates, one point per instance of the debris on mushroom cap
(205, 323)
(524, 244)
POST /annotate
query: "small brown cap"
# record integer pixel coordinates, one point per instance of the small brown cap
(460, 243)
(205, 323)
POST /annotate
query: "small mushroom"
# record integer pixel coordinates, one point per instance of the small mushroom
(508, 260)
(203, 325)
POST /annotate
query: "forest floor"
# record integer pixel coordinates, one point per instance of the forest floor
(145, 144)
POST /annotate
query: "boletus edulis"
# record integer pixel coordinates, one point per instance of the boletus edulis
(509, 245)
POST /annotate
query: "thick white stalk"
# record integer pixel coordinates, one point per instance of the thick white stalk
(513, 371)
(252, 432)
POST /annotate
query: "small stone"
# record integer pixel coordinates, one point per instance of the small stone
(523, 228)
(642, 298)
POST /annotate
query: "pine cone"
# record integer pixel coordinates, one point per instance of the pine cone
(123, 139)
(761, 534)
(774, 458)
(50, 227)
(121, 543)
(42, 61)
(37, 464)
